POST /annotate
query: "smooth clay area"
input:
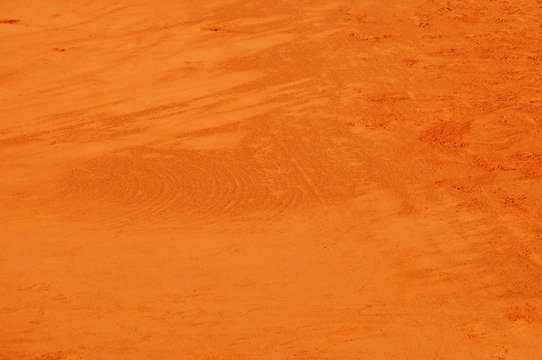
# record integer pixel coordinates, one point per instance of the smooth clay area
(270, 179)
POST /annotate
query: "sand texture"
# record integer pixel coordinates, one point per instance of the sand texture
(271, 179)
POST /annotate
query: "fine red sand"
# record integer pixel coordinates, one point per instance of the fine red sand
(270, 179)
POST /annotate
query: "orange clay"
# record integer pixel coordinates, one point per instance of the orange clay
(271, 179)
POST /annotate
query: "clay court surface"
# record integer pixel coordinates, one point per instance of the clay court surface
(220, 180)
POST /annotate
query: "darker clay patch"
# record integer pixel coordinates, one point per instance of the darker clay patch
(10, 21)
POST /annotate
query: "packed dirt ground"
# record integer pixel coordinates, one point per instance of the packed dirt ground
(271, 179)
